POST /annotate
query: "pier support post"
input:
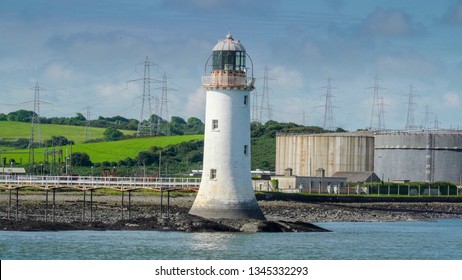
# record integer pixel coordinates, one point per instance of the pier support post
(46, 205)
(91, 206)
(122, 204)
(168, 204)
(161, 196)
(129, 203)
(9, 203)
(83, 205)
(54, 204)
(17, 203)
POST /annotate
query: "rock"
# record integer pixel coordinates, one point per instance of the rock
(259, 226)
(131, 225)
(145, 213)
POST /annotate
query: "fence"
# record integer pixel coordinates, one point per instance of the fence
(384, 190)
(90, 182)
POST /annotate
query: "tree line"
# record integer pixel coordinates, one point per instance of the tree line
(189, 155)
(185, 156)
(177, 125)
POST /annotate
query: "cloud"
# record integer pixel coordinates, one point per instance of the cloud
(336, 5)
(59, 72)
(451, 99)
(454, 14)
(92, 45)
(312, 51)
(407, 65)
(220, 7)
(389, 23)
(195, 104)
(285, 77)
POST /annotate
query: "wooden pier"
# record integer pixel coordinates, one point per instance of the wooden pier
(90, 183)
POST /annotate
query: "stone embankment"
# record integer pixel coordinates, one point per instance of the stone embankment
(287, 213)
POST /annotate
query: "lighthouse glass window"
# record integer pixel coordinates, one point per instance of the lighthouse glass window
(213, 173)
(214, 124)
(228, 60)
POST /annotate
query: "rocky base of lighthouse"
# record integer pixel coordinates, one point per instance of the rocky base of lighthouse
(225, 209)
(292, 212)
(234, 214)
(178, 222)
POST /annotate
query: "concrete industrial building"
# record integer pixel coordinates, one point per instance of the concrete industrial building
(422, 156)
(226, 187)
(415, 156)
(12, 171)
(312, 184)
(324, 154)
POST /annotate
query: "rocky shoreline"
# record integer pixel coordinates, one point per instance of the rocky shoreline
(284, 214)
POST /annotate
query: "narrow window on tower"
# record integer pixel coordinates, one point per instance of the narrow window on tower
(213, 173)
(246, 149)
(214, 124)
(246, 99)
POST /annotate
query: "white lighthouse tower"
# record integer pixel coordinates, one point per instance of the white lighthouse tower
(226, 187)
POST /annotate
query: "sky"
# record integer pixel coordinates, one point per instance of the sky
(83, 53)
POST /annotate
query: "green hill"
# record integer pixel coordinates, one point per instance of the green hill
(107, 151)
(14, 130)
(263, 142)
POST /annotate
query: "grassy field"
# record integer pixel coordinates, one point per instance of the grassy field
(98, 152)
(108, 151)
(14, 130)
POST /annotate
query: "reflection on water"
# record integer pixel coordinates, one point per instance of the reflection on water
(211, 241)
(398, 240)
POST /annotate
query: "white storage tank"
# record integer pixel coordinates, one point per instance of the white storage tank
(324, 154)
(423, 156)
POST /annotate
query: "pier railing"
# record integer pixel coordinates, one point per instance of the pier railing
(91, 182)
(227, 81)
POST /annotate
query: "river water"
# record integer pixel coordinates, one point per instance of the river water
(439, 239)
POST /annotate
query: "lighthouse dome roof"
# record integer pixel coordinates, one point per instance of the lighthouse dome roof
(229, 44)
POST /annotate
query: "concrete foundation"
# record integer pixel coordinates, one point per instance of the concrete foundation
(216, 209)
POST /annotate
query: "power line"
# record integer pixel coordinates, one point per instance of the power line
(35, 122)
(145, 125)
(88, 124)
(436, 123)
(256, 116)
(265, 99)
(426, 120)
(35, 133)
(328, 121)
(375, 114)
(381, 122)
(162, 107)
(410, 125)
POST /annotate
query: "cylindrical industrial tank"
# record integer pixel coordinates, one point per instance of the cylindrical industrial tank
(314, 154)
(424, 156)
